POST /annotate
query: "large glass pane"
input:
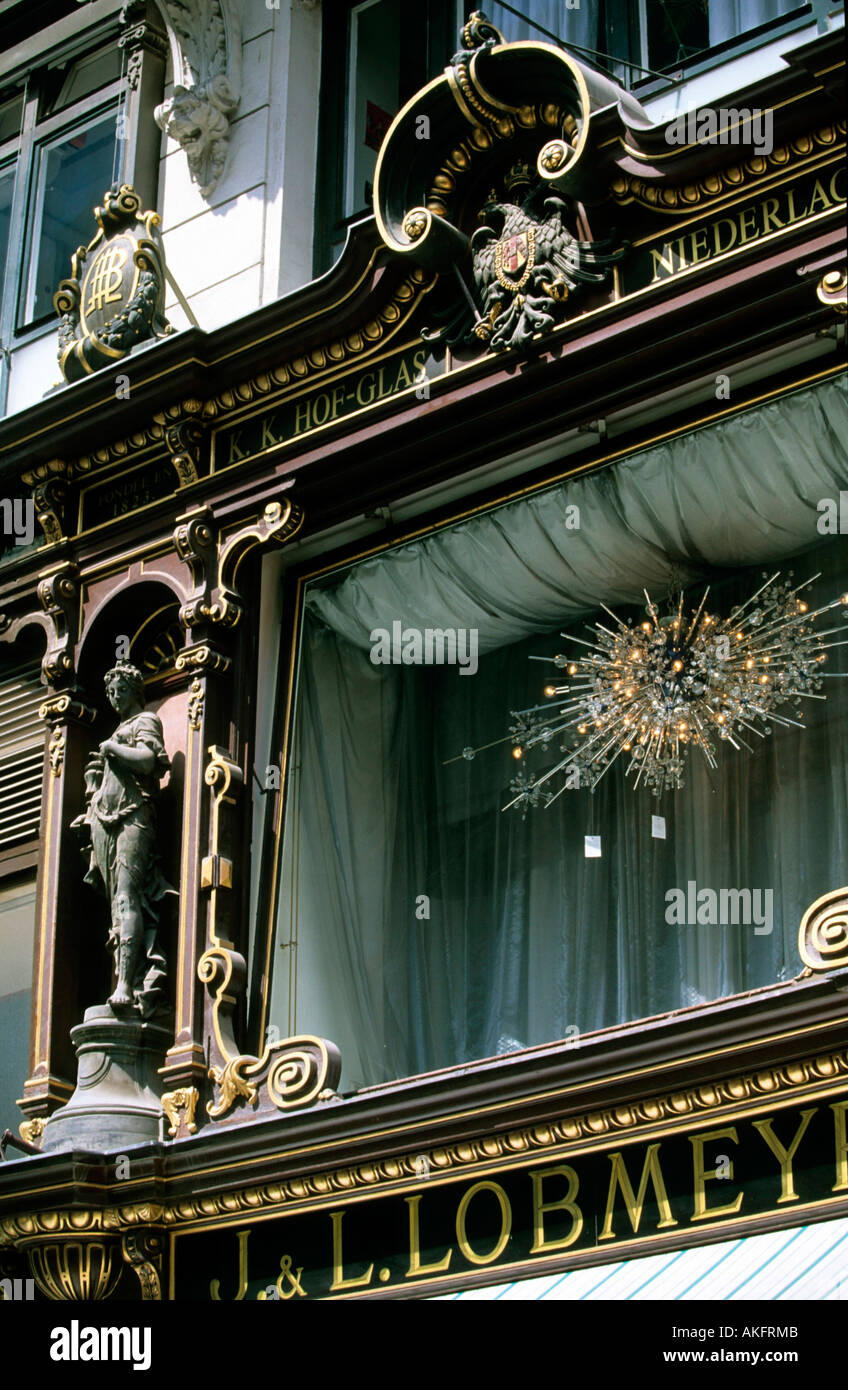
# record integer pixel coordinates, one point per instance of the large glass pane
(425, 924)
(574, 25)
(730, 19)
(373, 94)
(73, 175)
(678, 29)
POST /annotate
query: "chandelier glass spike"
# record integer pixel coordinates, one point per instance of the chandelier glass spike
(655, 689)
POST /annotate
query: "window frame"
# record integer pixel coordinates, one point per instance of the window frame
(436, 20)
(28, 69)
(50, 133)
(630, 17)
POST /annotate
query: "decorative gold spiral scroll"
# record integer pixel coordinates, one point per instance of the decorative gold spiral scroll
(299, 1072)
(823, 935)
(295, 1071)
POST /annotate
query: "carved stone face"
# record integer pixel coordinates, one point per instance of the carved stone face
(195, 125)
(120, 694)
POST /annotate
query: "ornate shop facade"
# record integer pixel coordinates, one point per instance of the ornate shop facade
(425, 976)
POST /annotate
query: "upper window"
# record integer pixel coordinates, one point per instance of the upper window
(392, 49)
(71, 175)
(373, 94)
(659, 35)
(59, 152)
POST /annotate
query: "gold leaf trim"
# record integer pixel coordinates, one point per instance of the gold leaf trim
(694, 1102)
(665, 197)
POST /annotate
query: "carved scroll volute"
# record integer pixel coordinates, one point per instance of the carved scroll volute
(280, 521)
(196, 543)
(184, 441)
(143, 1251)
(823, 934)
(49, 485)
(59, 596)
(214, 560)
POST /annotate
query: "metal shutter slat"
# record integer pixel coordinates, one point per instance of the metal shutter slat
(21, 753)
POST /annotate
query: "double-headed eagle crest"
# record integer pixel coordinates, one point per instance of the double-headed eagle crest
(526, 263)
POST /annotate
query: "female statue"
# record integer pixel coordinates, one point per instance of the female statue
(121, 783)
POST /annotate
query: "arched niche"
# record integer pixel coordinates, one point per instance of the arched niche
(139, 623)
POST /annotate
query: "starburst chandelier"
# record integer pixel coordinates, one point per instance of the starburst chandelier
(655, 689)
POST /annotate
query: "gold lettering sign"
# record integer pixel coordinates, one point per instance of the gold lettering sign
(294, 418)
(735, 229)
(505, 1220)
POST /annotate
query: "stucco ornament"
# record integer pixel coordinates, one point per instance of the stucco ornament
(205, 39)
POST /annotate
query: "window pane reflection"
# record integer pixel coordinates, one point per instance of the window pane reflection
(73, 178)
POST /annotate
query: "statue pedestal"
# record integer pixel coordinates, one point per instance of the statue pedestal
(116, 1102)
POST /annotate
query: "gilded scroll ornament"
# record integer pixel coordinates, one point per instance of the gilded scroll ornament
(31, 1131)
(179, 1106)
(223, 776)
(49, 484)
(291, 1073)
(213, 558)
(823, 934)
(63, 708)
(184, 440)
(295, 1072)
(202, 657)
